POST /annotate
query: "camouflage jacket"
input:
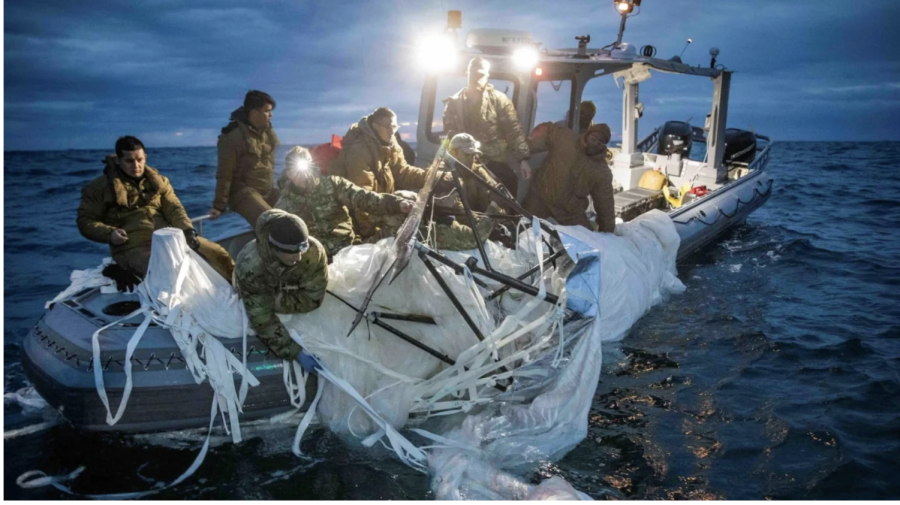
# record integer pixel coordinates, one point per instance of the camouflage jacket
(478, 195)
(267, 286)
(246, 158)
(568, 176)
(114, 200)
(326, 206)
(497, 128)
(370, 164)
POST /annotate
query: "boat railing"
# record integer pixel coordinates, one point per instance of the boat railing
(198, 221)
(649, 142)
(761, 158)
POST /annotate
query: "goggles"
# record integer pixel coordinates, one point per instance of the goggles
(302, 247)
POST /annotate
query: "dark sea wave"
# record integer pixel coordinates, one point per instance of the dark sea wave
(775, 375)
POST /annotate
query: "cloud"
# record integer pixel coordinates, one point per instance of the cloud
(856, 89)
(80, 75)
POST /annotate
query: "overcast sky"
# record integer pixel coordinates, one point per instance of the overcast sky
(81, 74)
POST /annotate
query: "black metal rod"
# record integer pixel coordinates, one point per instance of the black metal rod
(522, 277)
(465, 201)
(408, 339)
(450, 263)
(514, 284)
(399, 333)
(412, 318)
(462, 311)
(504, 198)
(501, 278)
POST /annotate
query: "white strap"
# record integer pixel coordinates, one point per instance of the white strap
(129, 352)
(307, 418)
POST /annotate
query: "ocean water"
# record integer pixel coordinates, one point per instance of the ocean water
(775, 375)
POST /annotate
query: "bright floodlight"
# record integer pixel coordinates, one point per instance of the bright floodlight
(625, 6)
(525, 57)
(437, 54)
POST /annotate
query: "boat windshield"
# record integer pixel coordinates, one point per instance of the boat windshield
(448, 85)
(552, 101)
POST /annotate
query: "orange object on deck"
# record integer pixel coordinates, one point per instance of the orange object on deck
(322, 154)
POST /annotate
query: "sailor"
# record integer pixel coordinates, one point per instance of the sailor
(489, 116)
(125, 205)
(445, 227)
(372, 159)
(586, 115)
(283, 271)
(324, 202)
(466, 150)
(447, 223)
(246, 174)
(575, 168)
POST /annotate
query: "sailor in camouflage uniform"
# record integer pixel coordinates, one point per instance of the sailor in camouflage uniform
(449, 233)
(325, 202)
(285, 271)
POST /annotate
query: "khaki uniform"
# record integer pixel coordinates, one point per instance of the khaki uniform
(115, 200)
(563, 183)
(495, 124)
(268, 286)
(324, 208)
(373, 165)
(246, 174)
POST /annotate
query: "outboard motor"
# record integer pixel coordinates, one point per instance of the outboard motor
(670, 134)
(740, 146)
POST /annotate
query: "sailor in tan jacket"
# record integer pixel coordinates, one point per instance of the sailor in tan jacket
(125, 205)
(575, 168)
(372, 159)
(245, 180)
(489, 116)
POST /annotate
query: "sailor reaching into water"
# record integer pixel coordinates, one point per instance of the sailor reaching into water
(325, 202)
(285, 271)
(125, 205)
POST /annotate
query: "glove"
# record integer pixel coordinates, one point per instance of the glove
(125, 279)
(308, 362)
(190, 236)
(501, 234)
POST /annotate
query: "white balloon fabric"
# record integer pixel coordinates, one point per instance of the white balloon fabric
(615, 279)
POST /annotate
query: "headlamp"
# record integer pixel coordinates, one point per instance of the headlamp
(301, 164)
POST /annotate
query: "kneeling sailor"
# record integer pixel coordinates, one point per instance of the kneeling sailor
(283, 271)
